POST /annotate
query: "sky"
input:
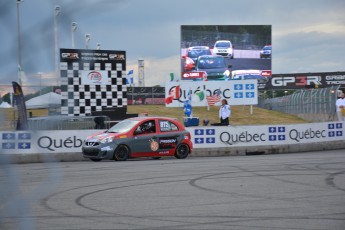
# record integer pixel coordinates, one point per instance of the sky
(307, 36)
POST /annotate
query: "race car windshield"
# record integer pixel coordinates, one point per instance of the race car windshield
(223, 44)
(211, 63)
(197, 53)
(123, 126)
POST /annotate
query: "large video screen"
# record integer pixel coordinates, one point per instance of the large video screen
(225, 52)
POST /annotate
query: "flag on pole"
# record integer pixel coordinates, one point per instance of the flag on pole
(211, 100)
(21, 76)
(173, 94)
(129, 78)
(187, 106)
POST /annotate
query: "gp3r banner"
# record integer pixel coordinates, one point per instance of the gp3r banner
(306, 80)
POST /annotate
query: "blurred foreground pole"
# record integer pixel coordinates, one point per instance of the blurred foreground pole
(19, 41)
(56, 13)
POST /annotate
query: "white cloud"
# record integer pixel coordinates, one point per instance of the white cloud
(308, 35)
(156, 70)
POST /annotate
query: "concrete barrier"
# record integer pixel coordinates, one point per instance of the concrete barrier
(20, 158)
(208, 141)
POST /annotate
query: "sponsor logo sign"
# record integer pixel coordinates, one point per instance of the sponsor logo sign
(70, 56)
(232, 136)
(167, 142)
(16, 140)
(236, 92)
(49, 141)
(94, 77)
(194, 75)
(306, 80)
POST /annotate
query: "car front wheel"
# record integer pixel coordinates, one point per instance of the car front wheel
(182, 151)
(121, 153)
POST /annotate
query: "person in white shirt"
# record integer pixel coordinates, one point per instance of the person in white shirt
(340, 104)
(224, 114)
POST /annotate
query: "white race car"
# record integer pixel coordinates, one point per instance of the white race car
(223, 48)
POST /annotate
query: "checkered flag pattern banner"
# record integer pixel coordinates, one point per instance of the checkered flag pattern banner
(92, 80)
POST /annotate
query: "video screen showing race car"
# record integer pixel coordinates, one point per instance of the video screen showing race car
(239, 48)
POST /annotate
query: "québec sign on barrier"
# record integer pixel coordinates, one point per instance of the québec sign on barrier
(70, 141)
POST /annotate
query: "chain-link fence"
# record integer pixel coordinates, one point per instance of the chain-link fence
(315, 105)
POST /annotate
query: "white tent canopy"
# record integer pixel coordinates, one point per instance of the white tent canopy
(44, 101)
(5, 105)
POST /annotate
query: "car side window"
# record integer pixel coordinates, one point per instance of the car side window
(167, 126)
(147, 127)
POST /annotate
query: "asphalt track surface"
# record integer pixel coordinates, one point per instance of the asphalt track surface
(284, 191)
(249, 63)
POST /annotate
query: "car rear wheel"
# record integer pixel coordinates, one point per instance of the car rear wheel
(182, 151)
(121, 153)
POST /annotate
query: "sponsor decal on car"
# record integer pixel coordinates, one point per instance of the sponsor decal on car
(107, 148)
(154, 145)
(167, 143)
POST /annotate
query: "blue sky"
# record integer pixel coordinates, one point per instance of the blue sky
(307, 36)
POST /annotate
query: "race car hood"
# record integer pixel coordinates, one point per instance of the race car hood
(215, 74)
(215, 71)
(104, 135)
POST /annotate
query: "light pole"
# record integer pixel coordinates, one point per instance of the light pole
(19, 44)
(87, 39)
(74, 27)
(56, 13)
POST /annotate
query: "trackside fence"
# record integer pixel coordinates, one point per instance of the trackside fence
(314, 105)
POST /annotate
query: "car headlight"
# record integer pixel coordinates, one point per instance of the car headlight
(189, 62)
(106, 140)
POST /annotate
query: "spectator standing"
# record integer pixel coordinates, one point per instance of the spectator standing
(224, 114)
(340, 105)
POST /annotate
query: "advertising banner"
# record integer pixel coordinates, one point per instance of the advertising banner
(48, 141)
(236, 92)
(70, 141)
(232, 136)
(306, 80)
